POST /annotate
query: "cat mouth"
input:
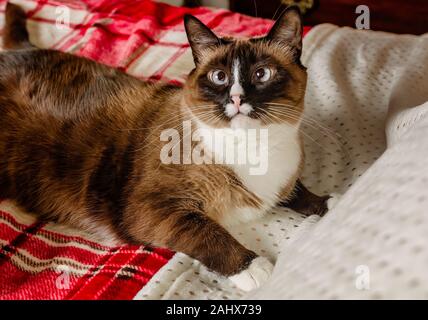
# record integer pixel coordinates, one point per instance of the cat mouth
(231, 110)
(238, 114)
(242, 121)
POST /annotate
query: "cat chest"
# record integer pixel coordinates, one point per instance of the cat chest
(265, 162)
(284, 156)
(277, 168)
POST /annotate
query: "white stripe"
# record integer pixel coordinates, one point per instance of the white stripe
(26, 261)
(51, 243)
(236, 87)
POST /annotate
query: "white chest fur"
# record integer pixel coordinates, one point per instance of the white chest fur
(279, 160)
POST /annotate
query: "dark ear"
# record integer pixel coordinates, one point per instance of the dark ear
(288, 30)
(200, 37)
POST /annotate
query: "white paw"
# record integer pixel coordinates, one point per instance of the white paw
(334, 199)
(254, 276)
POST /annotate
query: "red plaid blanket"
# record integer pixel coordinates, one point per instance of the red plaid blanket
(38, 263)
(145, 39)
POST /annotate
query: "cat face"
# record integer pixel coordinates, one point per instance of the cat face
(247, 83)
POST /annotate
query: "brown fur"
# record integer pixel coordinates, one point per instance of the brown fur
(79, 144)
(293, 92)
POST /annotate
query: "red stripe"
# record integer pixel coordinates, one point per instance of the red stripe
(115, 272)
(8, 250)
(18, 284)
(102, 280)
(52, 234)
(158, 74)
(105, 284)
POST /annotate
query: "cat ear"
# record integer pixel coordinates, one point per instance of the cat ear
(288, 30)
(200, 37)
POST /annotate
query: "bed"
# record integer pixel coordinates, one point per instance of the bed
(364, 137)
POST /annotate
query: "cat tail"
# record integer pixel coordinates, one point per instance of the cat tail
(15, 34)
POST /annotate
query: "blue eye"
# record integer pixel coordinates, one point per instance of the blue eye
(218, 77)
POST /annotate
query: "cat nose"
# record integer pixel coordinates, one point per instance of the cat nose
(236, 99)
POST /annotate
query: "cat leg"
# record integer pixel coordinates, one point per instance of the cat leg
(205, 240)
(201, 238)
(306, 202)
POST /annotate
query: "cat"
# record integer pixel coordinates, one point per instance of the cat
(80, 142)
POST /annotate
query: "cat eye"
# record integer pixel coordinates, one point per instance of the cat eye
(218, 77)
(263, 74)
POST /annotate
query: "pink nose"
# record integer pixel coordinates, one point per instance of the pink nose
(236, 100)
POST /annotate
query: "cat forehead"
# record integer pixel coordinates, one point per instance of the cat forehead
(247, 50)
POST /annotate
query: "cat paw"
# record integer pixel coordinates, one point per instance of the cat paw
(333, 200)
(257, 273)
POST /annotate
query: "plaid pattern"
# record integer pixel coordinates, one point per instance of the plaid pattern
(39, 261)
(147, 40)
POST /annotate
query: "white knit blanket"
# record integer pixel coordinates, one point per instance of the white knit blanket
(366, 138)
(374, 243)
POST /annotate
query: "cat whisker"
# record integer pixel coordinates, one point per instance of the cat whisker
(306, 119)
(305, 116)
(202, 115)
(305, 134)
(177, 115)
(326, 133)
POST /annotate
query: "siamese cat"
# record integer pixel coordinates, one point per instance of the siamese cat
(80, 142)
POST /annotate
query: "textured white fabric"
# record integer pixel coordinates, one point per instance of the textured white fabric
(185, 278)
(365, 95)
(374, 243)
